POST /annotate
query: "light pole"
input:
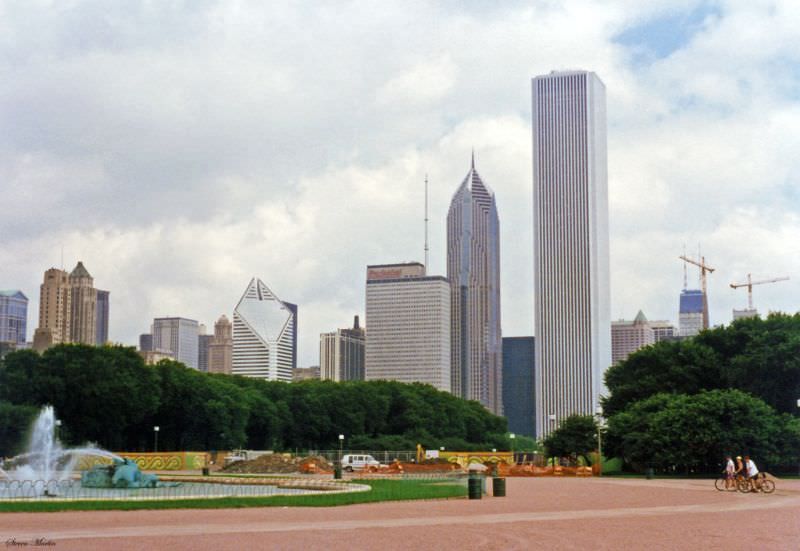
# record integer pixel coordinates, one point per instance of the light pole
(156, 428)
(552, 418)
(341, 444)
(58, 429)
(599, 412)
(798, 405)
(512, 436)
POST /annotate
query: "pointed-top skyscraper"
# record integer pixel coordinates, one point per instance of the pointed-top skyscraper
(264, 334)
(473, 269)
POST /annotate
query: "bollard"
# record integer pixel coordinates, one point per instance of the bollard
(474, 486)
(499, 487)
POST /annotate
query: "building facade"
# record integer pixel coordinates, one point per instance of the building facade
(101, 317)
(663, 330)
(203, 351)
(570, 242)
(305, 373)
(145, 342)
(473, 268)
(341, 354)
(518, 385)
(408, 326)
(691, 312)
(264, 340)
(177, 337)
(220, 350)
(13, 317)
(67, 308)
(629, 336)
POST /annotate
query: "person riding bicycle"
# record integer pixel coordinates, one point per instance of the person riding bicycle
(739, 467)
(730, 471)
(752, 472)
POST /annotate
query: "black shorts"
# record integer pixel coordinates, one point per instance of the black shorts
(754, 477)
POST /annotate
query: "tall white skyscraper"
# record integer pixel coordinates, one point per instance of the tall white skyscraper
(263, 334)
(178, 338)
(408, 325)
(570, 245)
(473, 268)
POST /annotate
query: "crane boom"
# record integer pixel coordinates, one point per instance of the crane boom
(750, 284)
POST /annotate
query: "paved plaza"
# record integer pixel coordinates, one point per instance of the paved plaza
(540, 513)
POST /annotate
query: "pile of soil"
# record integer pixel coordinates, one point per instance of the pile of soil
(279, 463)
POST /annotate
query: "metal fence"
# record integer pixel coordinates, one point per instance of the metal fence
(73, 490)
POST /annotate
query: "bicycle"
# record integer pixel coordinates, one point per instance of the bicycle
(720, 483)
(765, 485)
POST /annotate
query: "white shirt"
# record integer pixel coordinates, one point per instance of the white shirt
(752, 470)
(729, 467)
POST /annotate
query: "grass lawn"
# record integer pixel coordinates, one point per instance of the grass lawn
(382, 490)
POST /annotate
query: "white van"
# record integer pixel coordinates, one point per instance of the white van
(352, 463)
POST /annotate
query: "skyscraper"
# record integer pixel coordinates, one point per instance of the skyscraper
(101, 317)
(518, 380)
(220, 351)
(13, 317)
(408, 325)
(570, 242)
(691, 312)
(55, 309)
(203, 349)
(67, 308)
(341, 354)
(264, 341)
(178, 338)
(473, 268)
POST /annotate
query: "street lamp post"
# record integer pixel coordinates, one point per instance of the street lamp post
(341, 444)
(58, 429)
(156, 428)
(513, 437)
(552, 418)
(599, 441)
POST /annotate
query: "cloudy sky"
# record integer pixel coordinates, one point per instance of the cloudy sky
(180, 148)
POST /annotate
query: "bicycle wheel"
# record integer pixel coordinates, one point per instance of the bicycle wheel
(719, 484)
(767, 486)
(743, 485)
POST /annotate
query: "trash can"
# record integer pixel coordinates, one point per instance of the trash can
(474, 488)
(499, 487)
(649, 473)
(205, 471)
(337, 472)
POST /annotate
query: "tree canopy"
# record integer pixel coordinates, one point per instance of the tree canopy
(107, 395)
(683, 405)
(576, 435)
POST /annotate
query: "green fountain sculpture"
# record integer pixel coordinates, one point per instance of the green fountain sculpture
(122, 473)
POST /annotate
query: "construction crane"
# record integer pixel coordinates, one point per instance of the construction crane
(704, 268)
(750, 284)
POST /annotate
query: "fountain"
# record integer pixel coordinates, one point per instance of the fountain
(47, 461)
(49, 470)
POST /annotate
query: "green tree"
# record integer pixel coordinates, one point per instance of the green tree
(675, 432)
(577, 435)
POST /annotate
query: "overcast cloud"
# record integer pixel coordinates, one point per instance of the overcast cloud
(180, 148)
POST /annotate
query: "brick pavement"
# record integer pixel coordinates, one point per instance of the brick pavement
(544, 513)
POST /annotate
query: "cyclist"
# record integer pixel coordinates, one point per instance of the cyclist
(730, 471)
(752, 472)
(739, 467)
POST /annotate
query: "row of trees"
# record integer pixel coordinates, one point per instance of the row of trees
(107, 395)
(684, 405)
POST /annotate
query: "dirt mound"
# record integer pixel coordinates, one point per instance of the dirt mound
(280, 463)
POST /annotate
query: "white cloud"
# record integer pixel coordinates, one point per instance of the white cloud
(179, 151)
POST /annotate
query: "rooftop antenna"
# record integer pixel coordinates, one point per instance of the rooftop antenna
(426, 223)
